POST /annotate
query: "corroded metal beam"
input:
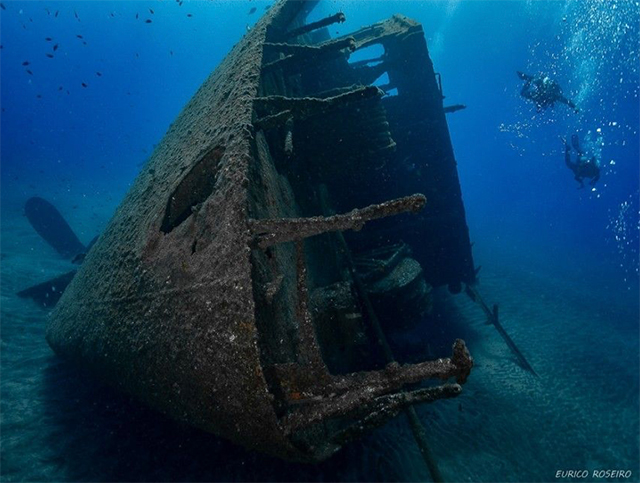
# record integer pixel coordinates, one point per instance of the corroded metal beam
(305, 29)
(343, 395)
(298, 55)
(282, 230)
(303, 107)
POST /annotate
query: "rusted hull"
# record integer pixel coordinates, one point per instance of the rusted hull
(162, 319)
(195, 298)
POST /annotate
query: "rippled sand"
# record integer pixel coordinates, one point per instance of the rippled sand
(59, 424)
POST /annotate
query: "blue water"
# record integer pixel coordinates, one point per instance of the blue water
(562, 262)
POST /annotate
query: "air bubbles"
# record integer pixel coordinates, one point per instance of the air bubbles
(624, 225)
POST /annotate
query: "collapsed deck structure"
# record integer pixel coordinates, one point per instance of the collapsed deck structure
(237, 287)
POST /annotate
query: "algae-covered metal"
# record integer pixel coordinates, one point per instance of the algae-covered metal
(216, 292)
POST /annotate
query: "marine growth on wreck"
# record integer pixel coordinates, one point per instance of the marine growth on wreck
(246, 282)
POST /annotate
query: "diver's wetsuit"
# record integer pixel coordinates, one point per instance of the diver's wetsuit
(584, 167)
(543, 91)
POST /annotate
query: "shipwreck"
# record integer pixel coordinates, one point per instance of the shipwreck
(295, 212)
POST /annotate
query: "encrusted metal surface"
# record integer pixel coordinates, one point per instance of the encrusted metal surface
(170, 317)
(196, 297)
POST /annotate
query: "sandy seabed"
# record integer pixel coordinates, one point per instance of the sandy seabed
(581, 413)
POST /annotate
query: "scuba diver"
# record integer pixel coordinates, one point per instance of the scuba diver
(543, 91)
(584, 167)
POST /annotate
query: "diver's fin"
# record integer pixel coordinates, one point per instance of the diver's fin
(48, 293)
(52, 227)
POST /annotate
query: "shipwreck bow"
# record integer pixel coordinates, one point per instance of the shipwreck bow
(234, 287)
